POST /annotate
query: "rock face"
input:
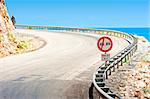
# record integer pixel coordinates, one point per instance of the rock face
(6, 26)
(14, 43)
(132, 80)
(8, 42)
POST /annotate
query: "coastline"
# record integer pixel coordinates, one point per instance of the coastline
(143, 39)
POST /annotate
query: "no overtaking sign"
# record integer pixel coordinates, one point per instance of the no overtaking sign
(104, 44)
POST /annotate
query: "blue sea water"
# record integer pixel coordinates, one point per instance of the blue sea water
(136, 31)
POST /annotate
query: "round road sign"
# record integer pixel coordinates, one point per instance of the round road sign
(104, 44)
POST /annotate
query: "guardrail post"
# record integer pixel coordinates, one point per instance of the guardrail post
(113, 67)
(128, 56)
(106, 74)
(132, 52)
(125, 58)
(110, 71)
(121, 61)
(136, 47)
(117, 64)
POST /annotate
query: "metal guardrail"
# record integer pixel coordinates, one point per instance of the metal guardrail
(103, 71)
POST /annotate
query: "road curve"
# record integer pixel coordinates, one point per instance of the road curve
(62, 69)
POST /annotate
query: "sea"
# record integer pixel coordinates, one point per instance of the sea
(136, 31)
(145, 32)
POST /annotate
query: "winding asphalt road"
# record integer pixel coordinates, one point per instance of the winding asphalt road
(62, 69)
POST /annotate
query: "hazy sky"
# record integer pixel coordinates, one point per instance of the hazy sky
(81, 13)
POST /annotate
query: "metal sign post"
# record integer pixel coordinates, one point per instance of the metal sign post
(105, 44)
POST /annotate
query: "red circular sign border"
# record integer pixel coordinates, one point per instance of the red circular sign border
(111, 44)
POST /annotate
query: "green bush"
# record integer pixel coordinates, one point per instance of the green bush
(22, 45)
(30, 27)
(146, 90)
(11, 37)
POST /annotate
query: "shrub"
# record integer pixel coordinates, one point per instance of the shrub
(11, 37)
(30, 27)
(22, 45)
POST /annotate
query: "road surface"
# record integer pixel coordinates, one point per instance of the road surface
(62, 69)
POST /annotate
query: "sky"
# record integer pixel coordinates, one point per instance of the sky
(81, 13)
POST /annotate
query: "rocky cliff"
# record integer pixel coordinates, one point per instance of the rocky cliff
(8, 43)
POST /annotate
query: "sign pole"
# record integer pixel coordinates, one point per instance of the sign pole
(105, 61)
